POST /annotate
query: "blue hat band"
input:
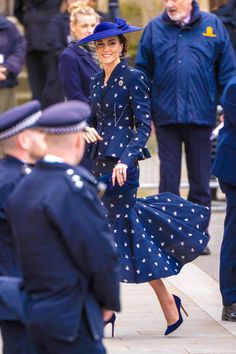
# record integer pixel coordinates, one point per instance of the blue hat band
(28, 122)
(66, 129)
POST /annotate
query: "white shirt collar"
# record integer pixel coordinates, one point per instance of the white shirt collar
(52, 158)
(186, 19)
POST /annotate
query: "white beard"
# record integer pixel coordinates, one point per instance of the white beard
(178, 16)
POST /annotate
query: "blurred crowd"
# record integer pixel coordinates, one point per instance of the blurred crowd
(47, 32)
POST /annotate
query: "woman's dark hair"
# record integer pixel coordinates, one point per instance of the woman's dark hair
(123, 41)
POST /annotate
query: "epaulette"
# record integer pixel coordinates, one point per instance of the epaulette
(91, 180)
(86, 175)
(74, 179)
(79, 176)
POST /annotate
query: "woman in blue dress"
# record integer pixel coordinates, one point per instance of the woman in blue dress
(155, 235)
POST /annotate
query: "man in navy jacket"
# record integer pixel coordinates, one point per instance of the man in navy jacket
(66, 249)
(188, 56)
(225, 169)
(12, 57)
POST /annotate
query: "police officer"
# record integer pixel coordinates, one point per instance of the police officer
(21, 145)
(225, 169)
(66, 249)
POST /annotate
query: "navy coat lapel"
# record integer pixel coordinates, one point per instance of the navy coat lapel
(88, 58)
(114, 78)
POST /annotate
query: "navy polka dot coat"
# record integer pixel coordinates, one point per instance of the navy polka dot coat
(121, 115)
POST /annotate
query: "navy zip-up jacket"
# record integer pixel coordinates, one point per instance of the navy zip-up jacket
(12, 50)
(224, 166)
(189, 67)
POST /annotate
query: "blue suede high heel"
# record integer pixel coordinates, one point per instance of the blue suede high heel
(111, 320)
(174, 326)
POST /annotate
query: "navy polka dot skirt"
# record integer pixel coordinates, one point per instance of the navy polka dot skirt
(155, 235)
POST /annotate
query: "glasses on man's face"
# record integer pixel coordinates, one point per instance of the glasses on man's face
(109, 44)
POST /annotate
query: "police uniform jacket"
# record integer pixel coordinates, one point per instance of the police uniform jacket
(189, 66)
(66, 250)
(11, 171)
(225, 162)
(121, 115)
(76, 68)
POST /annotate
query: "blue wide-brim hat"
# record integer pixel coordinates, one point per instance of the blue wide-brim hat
(109, 29)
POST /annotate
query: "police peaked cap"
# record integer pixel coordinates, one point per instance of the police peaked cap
(19, 118)
(64, 118)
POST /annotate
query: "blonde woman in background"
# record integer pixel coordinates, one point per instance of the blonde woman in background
(58, 39)
(78, 64)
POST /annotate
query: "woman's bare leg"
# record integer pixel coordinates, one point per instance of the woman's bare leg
(166, 301)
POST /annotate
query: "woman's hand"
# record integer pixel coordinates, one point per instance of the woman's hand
(91, 135)
(120, 173)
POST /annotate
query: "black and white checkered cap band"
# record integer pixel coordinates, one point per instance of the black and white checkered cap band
(24, 124)
(66, 129)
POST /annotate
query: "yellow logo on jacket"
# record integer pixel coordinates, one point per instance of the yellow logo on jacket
(209, 32)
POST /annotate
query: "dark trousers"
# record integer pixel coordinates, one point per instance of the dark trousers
(15, 338)
(228, 248)
(197, 145)
(83, 344)
(38, 68)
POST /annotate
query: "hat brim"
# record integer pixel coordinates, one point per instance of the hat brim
(108, 33)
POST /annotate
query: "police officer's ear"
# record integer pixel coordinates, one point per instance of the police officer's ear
(23, 140)
(80, 146)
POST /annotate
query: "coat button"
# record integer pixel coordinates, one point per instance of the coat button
(28, 170)
(75, 178)
(70, 172)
